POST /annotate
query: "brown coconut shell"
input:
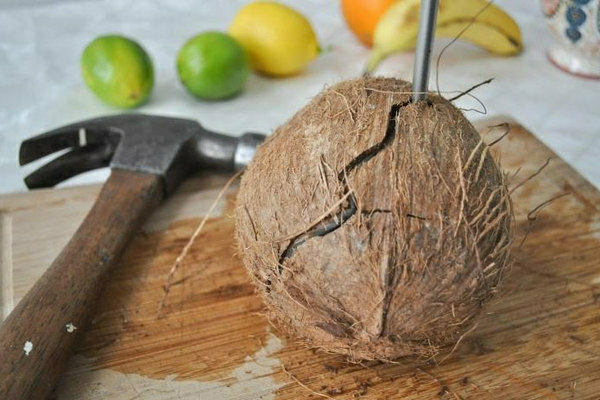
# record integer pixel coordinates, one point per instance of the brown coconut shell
(373, 226)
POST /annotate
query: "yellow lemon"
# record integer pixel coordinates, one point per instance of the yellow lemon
(279, 40)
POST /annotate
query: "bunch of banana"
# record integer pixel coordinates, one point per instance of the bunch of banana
(490, 27)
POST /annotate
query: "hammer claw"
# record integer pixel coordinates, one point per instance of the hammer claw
(76, 161)
(75, 135)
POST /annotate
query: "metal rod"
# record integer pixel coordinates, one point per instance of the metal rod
(425, 36)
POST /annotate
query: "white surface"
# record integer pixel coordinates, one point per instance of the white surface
(41, 88)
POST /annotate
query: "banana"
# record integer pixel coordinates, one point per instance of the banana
(493, 29)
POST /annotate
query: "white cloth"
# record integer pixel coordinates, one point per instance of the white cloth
(41, 87)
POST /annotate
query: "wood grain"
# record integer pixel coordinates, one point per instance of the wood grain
(539, 339)
(6, 267)
(37, 336)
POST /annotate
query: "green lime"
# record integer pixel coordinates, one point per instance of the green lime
(212, 66)
(118, 70)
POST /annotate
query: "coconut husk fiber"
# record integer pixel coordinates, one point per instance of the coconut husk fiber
(372, 226)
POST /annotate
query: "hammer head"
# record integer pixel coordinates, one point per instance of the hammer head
(169, 147)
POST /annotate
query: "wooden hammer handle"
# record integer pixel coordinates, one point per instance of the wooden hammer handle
(35, 339)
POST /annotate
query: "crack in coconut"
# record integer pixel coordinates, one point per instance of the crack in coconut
(332, 223)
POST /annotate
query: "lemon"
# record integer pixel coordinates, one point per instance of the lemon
(118, 70)
(212, 66)
(279, 40)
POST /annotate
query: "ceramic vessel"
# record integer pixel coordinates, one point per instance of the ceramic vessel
(576, 27)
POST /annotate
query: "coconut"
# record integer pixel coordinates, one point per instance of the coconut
(373, 226)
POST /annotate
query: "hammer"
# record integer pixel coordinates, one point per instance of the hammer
(149, 157)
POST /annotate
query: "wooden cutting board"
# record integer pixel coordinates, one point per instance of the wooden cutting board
(539, 339)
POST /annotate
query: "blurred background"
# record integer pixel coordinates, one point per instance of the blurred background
(41, 87)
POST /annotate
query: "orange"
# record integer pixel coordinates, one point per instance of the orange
(362, 16)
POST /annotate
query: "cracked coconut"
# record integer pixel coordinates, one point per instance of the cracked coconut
(372, 226)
